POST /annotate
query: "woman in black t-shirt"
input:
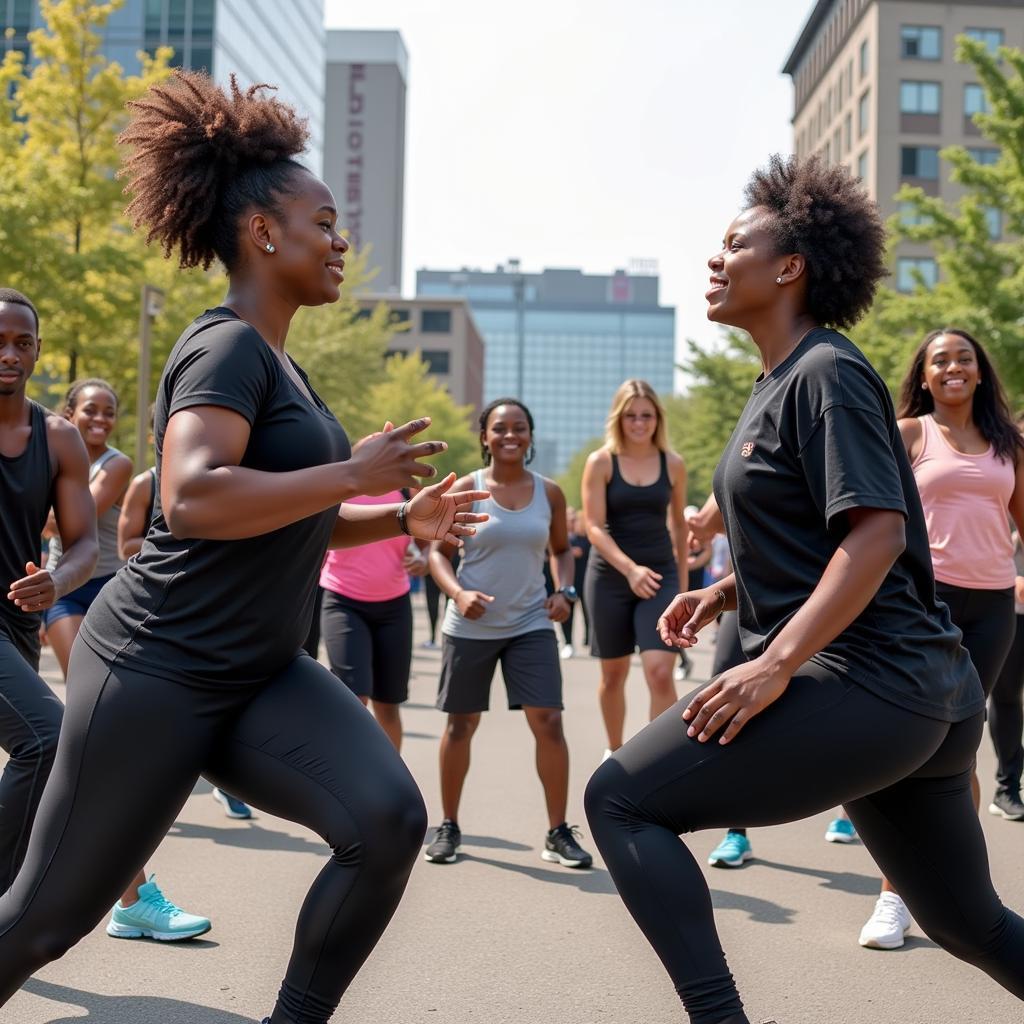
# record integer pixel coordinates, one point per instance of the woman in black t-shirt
(202, 630)
(856, 689)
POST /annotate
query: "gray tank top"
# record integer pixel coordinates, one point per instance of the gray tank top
(106, 530)
(505, 558)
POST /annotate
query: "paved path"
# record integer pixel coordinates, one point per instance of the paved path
(502, 936)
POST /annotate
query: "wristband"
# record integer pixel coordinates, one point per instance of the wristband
(403, 510)
(720, 593)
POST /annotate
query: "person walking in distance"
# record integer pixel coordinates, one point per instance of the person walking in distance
(580, 546)
(499, 611)
(42, 463)
(853, 665)
(968, 461)
(202, 630)
(632, 488)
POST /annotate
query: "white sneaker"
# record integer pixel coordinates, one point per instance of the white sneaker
(678, 673)
(887, 925)
(567, 652)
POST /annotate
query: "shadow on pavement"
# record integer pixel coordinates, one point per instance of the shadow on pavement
(762, 911)
(249, 837)
(595, 880)
(130, 1009)
(419, 735)
(840, 881)
(494, 843)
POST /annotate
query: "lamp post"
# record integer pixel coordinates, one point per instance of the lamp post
(151, 305)
(519, 292)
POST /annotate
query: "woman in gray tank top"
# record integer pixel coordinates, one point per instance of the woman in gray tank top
(499, 611)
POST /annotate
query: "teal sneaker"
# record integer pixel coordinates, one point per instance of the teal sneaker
(841, 830)
(154, 917)
(732, 852)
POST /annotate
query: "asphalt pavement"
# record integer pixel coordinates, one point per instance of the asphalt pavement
(502, 936)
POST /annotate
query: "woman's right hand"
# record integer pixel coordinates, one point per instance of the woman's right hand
(386, 461)
(688, 614)
(472, 603)
(643, 582)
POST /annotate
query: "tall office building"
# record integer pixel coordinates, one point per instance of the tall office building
(877, 88)
(259, 40)
(364, 153)
(563, 341)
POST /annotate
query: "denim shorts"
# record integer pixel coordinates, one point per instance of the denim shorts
(77, 602)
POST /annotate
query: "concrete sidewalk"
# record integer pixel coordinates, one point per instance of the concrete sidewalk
(501, 936)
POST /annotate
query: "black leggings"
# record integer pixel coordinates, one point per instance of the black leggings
(299, 746)
(30, 716)
(905, 781)
(432, 593)
(1006, 715)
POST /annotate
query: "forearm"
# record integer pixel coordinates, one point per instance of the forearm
(363, 524)
(563, 568)
(681, 545)
(76, 565)
(727, 585)
(444, 573)
(851, 579)
(207, 506)
(132, 546)
(609, 550)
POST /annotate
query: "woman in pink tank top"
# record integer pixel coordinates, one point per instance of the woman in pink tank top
(966, 453)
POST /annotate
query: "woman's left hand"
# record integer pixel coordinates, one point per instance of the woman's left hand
(434, 514)
(733, 698)
(558, 607)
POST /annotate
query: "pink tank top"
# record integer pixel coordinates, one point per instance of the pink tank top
(370, 572)
(966, 501)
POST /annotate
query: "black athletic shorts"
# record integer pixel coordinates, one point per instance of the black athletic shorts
(369, 645)
(621, 622)
(529, 666)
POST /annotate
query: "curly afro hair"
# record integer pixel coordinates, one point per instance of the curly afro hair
(823, 213)
(201, 157)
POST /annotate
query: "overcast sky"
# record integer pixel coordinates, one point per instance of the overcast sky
(586, 133)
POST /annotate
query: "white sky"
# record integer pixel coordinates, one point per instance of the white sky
(585, 133)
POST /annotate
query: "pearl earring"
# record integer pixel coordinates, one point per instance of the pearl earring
(270, 248)
(778, 280)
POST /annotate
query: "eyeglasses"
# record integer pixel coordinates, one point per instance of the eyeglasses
(642, 417)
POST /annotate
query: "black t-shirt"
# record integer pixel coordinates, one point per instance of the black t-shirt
(214, 612)
(819, 437)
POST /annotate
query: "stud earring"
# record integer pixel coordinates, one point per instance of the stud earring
(778, 280)
(270, 248)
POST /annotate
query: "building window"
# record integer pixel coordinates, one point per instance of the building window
(921, 42)
(864, 59)
(920, 98)
(437, 360)
(848, 134)
(991, 37)
(398, 316)
(913, 271)
(994, 220)
(919, 162)
(863, 114)
(911, 217)
(975, 101)
(983, 155)
(436, 321)
(862, 166)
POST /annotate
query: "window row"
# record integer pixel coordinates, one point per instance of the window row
(926, 98)
(924, 42)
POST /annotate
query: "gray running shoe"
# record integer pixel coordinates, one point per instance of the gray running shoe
(445, 847)
(1007, 804)
(562, 847)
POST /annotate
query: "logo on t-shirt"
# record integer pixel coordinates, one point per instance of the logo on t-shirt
(747, 450)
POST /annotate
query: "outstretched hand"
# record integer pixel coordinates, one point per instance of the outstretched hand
(436, 514)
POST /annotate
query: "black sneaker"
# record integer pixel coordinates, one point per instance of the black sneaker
(560, 845)
(1007, 803)
(447, 840)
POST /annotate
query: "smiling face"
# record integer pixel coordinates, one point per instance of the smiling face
(951, 370)
(94, 414)
(745, 271)
(309, 252)
(639, 421)
(508, 435)
(19, 347)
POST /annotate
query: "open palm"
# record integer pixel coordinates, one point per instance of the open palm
(435, 514)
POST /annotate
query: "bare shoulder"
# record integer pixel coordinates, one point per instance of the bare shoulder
(464, 483)
(911, 433)
(676, 463)
(600, 461)
(552, 490)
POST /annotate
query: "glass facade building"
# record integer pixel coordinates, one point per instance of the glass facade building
(563, 341)
(260, 40)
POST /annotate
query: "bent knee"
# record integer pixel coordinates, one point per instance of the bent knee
(390, 833)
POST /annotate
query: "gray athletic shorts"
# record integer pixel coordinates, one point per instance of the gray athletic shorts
(529, 665)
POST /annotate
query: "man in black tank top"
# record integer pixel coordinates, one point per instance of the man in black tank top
(42, 463)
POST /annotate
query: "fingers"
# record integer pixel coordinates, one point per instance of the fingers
(441, 486)
(412, 428)
(739, 720)
(700, 698)
(469, 497)
(714, 713)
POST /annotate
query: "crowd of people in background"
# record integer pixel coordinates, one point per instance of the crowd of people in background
(860, 566)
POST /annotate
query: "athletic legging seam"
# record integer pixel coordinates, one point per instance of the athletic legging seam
(359, 836)
(71, 807)
(30, 803)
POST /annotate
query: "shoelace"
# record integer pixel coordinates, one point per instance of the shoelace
(887, 912)
(160, 903)
(446, 830)
(570, 833)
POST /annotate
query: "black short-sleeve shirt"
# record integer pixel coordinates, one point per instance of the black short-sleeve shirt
(214, 612)
(819, 437)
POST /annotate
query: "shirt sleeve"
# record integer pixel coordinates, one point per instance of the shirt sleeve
(849, 463)
(226, 365)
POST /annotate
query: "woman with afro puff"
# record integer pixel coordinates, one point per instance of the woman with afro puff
(856, 689)
(202, 630)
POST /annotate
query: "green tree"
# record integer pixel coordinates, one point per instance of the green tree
(981, 286)
(571, 479)
(407, 391)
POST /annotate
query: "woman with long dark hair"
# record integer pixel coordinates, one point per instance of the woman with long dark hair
(856, 689)
(202, 630)
(966, 453)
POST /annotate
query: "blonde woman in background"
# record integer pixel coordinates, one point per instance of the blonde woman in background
(634, 494)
